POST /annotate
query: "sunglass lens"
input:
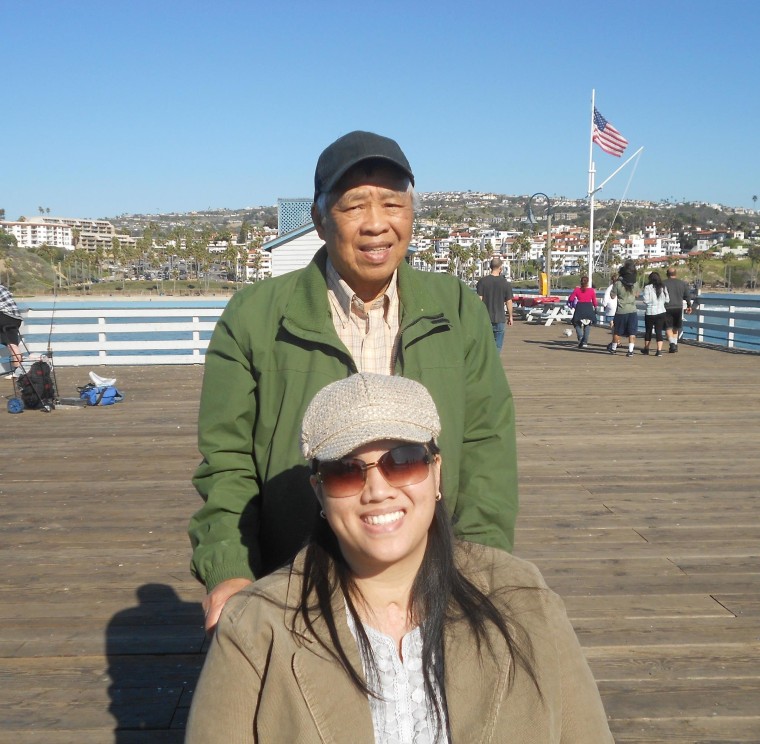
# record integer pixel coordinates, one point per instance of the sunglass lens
(342, 477)
(405, 466)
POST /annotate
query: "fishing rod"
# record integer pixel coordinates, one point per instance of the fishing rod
(49, 341)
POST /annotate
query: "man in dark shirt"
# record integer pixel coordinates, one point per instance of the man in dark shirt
(496, 292)
(678, 293)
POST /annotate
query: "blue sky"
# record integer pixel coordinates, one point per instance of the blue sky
(138, 106)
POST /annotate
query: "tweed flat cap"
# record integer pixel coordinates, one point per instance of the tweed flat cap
(366, 408)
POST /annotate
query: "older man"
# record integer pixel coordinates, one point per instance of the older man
(358, 306)
(678, 296)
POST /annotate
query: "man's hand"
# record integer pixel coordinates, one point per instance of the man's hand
(688, 311)
(214, 601)
(510, 321)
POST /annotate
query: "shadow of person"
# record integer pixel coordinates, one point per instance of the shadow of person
(277, 524)
(155, 654)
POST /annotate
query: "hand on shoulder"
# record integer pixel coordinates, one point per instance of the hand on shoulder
(214, 601)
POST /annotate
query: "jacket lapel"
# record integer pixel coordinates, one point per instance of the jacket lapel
(307, 315)
(475, 684)
(339, 710)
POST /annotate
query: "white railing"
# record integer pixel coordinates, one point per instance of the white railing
(733, 323)
(99, 336)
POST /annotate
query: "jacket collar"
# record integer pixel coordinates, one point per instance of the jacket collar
(307, 313)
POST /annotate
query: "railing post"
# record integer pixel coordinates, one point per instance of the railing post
(731, 322)
(102, 337)
(700, 331)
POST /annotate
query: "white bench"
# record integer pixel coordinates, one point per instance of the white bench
(547, 314)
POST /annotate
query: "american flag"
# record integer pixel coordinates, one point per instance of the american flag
(607, 137)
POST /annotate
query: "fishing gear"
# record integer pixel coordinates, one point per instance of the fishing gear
(34, 388)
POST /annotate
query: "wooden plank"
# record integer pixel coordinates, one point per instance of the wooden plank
(695, 698)
(675, 663)
(687, 730)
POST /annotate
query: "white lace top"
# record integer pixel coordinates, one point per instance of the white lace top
(403, 715)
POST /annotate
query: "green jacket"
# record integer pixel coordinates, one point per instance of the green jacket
(626, 297)
(273, 349)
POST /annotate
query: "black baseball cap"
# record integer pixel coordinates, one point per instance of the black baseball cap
(353, 148)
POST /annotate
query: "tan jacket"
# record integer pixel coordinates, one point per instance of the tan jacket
(267, 680)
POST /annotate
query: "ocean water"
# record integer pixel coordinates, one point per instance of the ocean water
(746, 329)
(38, 330)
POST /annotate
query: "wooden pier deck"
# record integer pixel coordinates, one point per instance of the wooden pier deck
(639, 484)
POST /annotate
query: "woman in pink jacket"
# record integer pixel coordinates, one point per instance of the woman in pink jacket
(583, 299)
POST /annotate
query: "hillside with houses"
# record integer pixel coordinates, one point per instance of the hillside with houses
(454, 232)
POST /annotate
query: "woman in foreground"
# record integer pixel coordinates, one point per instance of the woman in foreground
(385, 628)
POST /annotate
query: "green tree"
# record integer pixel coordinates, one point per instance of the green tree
(727, 258)
(7, 241)
(459, 257)
(521, 251)
(427, 257)
(753, 253)
(695, 263)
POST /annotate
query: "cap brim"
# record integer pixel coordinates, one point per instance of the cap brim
(344, 442)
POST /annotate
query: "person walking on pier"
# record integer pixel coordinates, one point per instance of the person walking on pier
(626, 322)
(678, 296)
(496, 293)
(609, 303)
(357, 307)
(584, 299)
(655, 297)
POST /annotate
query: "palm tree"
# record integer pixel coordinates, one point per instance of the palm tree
(727, 259)
(521, 251)
(458, 257)
(753, 253)
(427, 257)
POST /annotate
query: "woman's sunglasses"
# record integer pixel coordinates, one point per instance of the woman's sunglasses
(401, 466)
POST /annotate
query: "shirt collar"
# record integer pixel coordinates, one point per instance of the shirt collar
(345, 296)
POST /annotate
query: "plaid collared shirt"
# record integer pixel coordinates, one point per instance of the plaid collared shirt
(368, 330)
(7, 303)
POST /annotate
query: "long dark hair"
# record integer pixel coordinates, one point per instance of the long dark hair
(627, 273)
(440, 595)
(656, 281)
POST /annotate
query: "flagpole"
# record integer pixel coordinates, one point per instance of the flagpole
(591, 190)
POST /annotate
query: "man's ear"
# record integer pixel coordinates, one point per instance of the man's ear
(317, 220)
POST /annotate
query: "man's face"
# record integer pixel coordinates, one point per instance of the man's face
(368, 227)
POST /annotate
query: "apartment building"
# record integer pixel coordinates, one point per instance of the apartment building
(37, 232)
(67, 233)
